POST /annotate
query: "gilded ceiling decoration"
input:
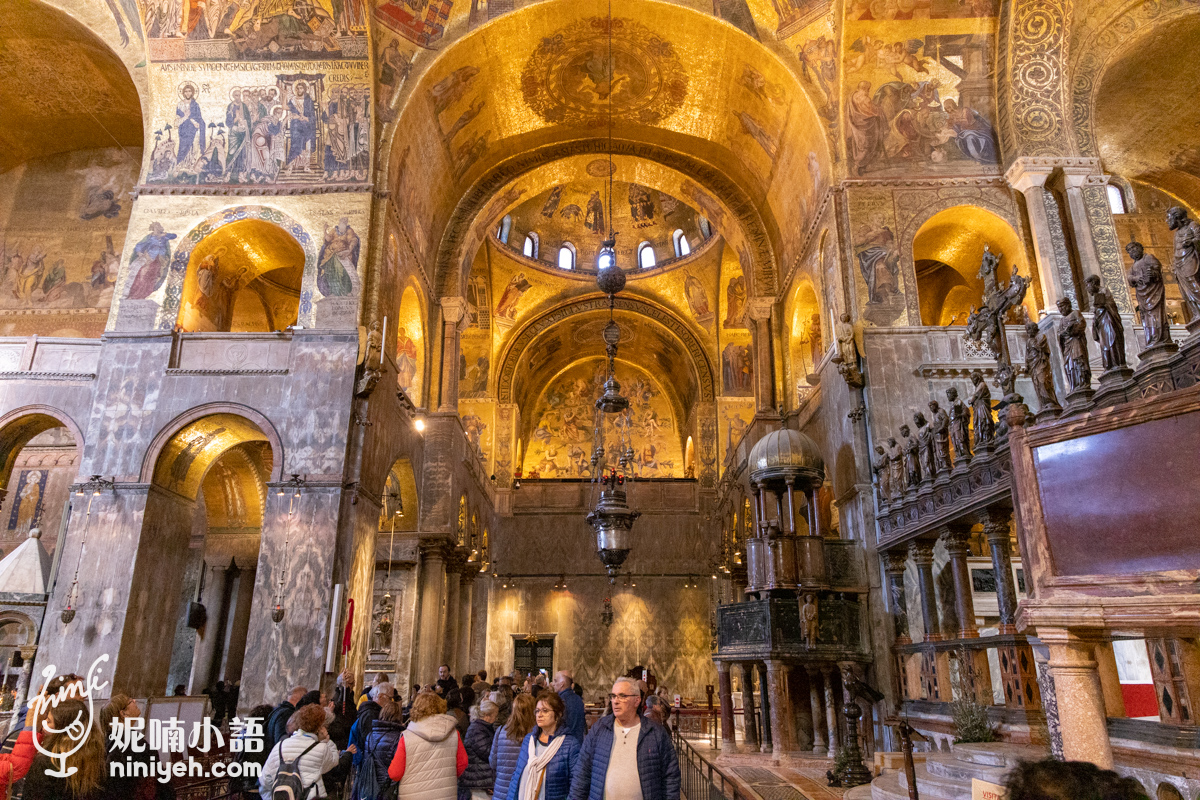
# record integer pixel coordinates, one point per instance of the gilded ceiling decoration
(186, 457)
(66, 90)
(1146, 114)
(575, 77)
(574, 212)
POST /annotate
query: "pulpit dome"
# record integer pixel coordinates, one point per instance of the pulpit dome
(787, 455)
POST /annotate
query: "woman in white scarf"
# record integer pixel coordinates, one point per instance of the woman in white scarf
(548, 756)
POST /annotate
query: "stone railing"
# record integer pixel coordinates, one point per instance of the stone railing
(43, 358)
(237, 353)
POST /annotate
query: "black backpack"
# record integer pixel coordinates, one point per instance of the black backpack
(288, 784)
(366, 785)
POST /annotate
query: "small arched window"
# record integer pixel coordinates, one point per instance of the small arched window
(682, 248)
(530, 249)
(504, 228)
(1116, 199)
(705, 228)
(646, 258)
(566, 256)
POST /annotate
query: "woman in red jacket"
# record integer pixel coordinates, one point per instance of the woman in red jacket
(15, 765)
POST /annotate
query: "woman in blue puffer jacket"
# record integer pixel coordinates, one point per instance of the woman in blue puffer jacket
(507, 741)
(548, 755)
(378, 751)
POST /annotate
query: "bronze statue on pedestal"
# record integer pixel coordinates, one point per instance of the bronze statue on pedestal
(925, 436)
(896, 465)
(1072, 340)
(981, 411)
(960, 425)
(940, 424)
(1037, 365)
(1145, 276)
(1107, 329)
(1187, 257)
(883, 474)
(912, 458)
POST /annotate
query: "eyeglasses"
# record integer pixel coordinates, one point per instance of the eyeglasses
(624, 697)
(543, 711)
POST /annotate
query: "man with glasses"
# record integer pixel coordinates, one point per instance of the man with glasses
(626, 756)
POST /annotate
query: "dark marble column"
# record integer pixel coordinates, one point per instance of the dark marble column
(750, 724)
(783, 721)
(725, 691)
(996, 527)
(814, 699)
(466, 605)
(957, 539)
(894, 562)
(922, 556)
(768, 744)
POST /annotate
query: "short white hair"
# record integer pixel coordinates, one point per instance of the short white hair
(488, 709)
(381, 690)
(630, 681)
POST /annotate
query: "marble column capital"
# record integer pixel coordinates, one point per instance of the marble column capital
(1027, 172)
(997, 523)
(440, 549)
(454, 310)
(894, 561)
(921, 552)
(760, 308)
(722, 667)
(957, 539)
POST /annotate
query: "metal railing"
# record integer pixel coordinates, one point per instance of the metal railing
(699, 779)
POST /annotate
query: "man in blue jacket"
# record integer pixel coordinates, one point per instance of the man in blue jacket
(576, 720)
(626, 756)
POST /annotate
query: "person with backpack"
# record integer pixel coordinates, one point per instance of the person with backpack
(476, 783)
(373, 782)
(277, 722)
(294, 767)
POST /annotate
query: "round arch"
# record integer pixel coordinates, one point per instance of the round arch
(25, 621)
(182, 421)
(526, 336)
(20, 425)
(168, 313)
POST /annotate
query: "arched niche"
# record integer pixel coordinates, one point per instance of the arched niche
(411, 345)
(947, 250)
(809, 334)
(245, 276)
(39, 460)
(399, 508)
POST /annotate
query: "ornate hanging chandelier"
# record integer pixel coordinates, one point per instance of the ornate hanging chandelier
(611, 517)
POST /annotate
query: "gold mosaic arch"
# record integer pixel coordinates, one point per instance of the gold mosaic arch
(450, 275)
(528, 334)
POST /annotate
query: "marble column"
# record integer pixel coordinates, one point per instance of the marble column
(450, 641)
(814, 700)
(783, 721)
(431, 616)
(725, 692)
(759, 310)
(750, 725)
(765, 697)
(922, 556)
(996, 527)
(831, 712)
(1074, 175)
(1110, 679)
(206, 658)
(1081, 712)
(454, 311)
(1028, 176)
(957, 538)
(466, 605)
(894, 562)
(235, 650)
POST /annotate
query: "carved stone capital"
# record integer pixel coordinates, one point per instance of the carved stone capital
(435, 549)
(1026, 173)
(759, 308)
(921, 552)
(454, 310)
(997, 524)
(894, 561)
(957, 539)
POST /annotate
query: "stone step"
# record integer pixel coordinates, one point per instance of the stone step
(936, 786)
(864, 792)
(948, 765)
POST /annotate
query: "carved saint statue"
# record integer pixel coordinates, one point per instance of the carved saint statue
(847, 349)
(1187, 257)
(960, 425)
(896, 465)
(925, 435)
(1072, 340)
(883, 474)
(981, 411)
(1107, 329)
(1145, 276)
(381, 631)
(808, 620)
(373, 351)
(1037, 365)
(939, 421)
(912, 458)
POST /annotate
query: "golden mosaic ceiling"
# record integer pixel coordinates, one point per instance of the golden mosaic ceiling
(64, 89)
(185, 459)
(1146, 114)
